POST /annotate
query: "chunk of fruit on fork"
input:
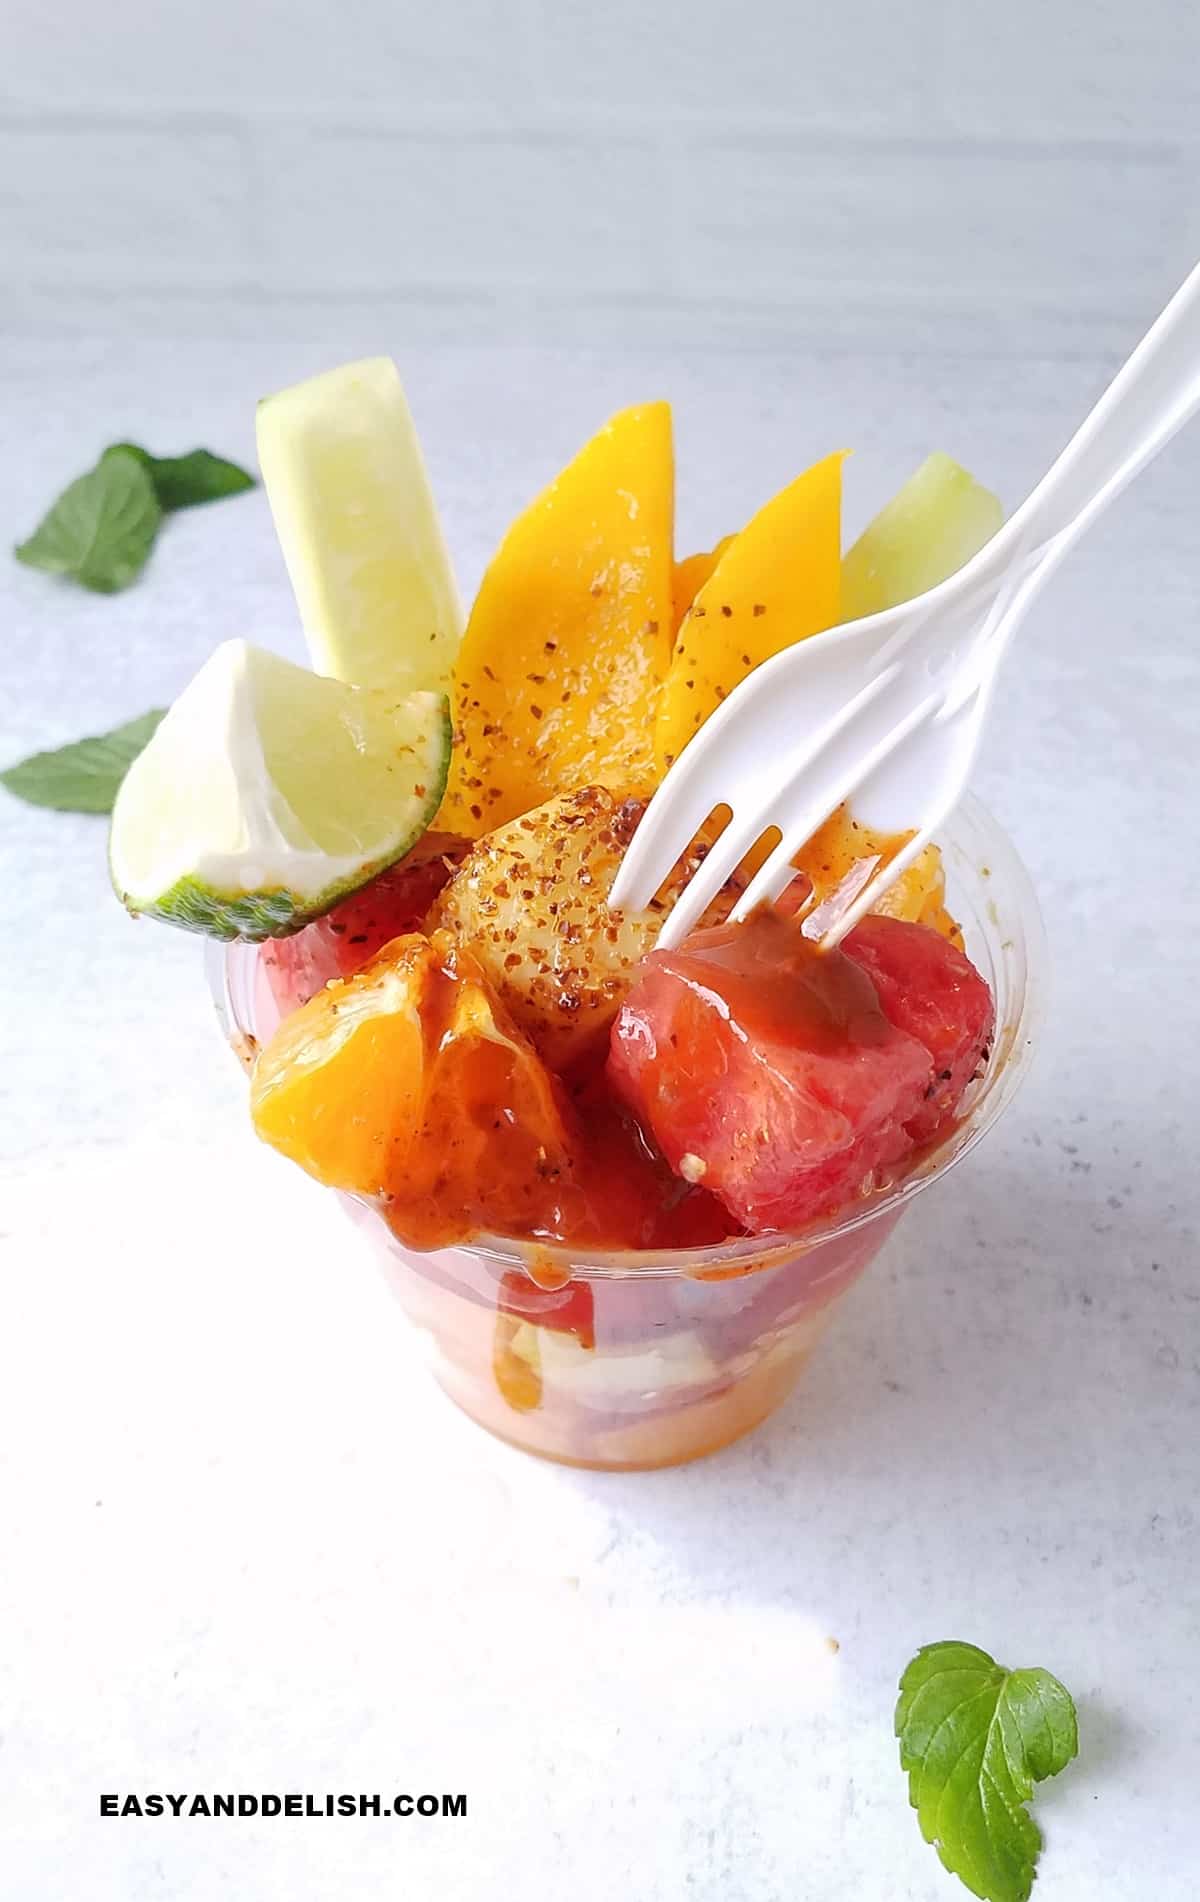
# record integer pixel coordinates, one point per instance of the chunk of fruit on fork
(792, 1081)
(531, 901)
(339, 944)
(409, 1081)
(567, 645)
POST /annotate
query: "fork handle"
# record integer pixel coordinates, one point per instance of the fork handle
(1156, 391)
(1019, 587)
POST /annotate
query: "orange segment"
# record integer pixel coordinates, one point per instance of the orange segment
(776, 582)
(492, 1148)
(338, 1088)
(569, 639)
(410, 1081)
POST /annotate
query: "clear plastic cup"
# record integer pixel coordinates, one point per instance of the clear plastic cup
(633, 1360)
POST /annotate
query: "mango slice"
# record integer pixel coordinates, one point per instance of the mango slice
(569, 640)
(777, 582)
(531, 901)
(690, 576)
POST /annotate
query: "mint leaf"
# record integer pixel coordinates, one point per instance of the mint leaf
(974, 1739)
(84, 776)
(101, 529)
(181, 482)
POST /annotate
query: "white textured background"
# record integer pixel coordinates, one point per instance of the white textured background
(766, 167)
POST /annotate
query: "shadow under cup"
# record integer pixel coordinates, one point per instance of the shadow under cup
(636, 1360)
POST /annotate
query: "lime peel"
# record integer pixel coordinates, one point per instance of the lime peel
(268, 794)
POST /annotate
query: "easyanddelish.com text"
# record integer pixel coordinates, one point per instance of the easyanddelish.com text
(268, 1803)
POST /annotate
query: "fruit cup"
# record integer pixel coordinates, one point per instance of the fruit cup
(628, 1361)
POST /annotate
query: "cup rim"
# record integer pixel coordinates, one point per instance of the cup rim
(1012, 907)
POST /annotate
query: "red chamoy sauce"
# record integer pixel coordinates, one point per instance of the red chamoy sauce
(623, 1192)
(754, 1083)
(500, 1145)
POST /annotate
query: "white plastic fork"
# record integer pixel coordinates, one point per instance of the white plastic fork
(889, 711)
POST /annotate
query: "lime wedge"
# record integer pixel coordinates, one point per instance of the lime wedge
(359, 530)
(931, 526)
(268, 793)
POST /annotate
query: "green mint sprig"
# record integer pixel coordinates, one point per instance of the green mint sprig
(184, 482)
(974, 1739)
(84, 776)
(102, 528)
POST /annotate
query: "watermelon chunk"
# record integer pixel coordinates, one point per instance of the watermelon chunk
(789, 1081)
(929, 988)
(347, 938)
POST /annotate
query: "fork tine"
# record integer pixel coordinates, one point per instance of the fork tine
(687, 794)
(771, 878)
(748, 823)
(969, 711)
(876, 886)
(706, 881)
(681, 805)
(676, 813)
(778, 871)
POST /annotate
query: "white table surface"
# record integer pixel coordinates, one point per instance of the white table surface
(246, 1546)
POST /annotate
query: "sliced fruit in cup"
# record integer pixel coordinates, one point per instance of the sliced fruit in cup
(268, 793)
(930, 990)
